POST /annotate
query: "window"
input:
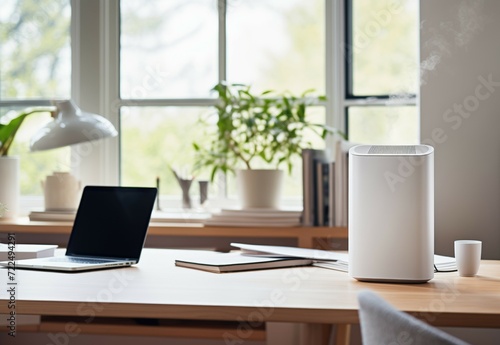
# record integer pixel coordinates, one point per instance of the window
(35, 67)
(151, 65)
(382, 71)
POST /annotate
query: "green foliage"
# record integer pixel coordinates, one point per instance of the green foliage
(34, 35)
(12, 122)
(259, 127)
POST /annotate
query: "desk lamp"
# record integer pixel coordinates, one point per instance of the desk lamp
(71, 126)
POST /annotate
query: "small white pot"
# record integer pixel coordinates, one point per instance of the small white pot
(260, 188)
(9, 185)
(61, 192)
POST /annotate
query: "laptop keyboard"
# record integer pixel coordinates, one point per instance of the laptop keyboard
(78, 260)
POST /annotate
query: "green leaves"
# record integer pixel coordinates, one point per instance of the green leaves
(267, 127)
(11, 123)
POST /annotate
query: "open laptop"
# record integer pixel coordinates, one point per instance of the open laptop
(109, 230)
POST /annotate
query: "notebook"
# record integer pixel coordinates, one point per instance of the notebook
(109, 230)
(235, 262)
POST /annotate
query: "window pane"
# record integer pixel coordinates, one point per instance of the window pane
(153, 139)
(277, 44)
(383, 125)
(168, 48)
(35, 56)
(35, 63)
(384, 47)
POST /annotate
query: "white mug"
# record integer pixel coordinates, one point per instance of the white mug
(468, 257)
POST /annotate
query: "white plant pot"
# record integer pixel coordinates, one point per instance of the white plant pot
(260, 188)
(9, 185)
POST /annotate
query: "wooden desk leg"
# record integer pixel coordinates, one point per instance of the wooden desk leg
(342, 334)
(314, 334)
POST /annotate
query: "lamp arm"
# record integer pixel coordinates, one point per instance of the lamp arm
(8, 131)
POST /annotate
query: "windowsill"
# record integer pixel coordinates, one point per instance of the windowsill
(169, 206)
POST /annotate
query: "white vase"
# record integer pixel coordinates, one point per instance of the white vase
(61, 192)
(260, 188)
(9, 185)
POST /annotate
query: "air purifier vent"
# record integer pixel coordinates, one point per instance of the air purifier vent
(392, 150)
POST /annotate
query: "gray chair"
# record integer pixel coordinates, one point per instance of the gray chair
(382, 324)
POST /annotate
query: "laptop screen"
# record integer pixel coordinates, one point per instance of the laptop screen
(111, 222)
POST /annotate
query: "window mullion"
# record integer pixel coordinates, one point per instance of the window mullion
(222, 12)
(93, 58)
(110, 81)
(335, 75)
(348, 48)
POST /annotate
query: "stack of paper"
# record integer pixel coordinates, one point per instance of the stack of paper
(26, 251)
(444, 263)
(326, 259)
(293, 252)
(63, 216)
(254, 257)
(182, 216)
(255, 217)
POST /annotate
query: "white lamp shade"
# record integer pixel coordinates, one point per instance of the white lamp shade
(71, 126)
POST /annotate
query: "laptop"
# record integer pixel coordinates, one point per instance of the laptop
(109, 230)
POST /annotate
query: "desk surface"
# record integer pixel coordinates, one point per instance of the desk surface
(155, 288)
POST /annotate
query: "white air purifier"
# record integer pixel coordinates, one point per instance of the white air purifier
(391, 213)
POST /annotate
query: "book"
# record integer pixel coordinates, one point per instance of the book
(331, 194)
(21, 320)
(179, 217)
(252, 222)
(261, 212)
(26, 251)
(308, 183)
(254, 217)
(321, 193)
(236, 262)
(341, 181)
(156, 216)
(52, 216)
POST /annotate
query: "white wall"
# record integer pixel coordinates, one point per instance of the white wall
(459, 47)
(460, 114)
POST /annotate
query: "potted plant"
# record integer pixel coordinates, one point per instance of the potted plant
(9, 165)
(253, 130)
